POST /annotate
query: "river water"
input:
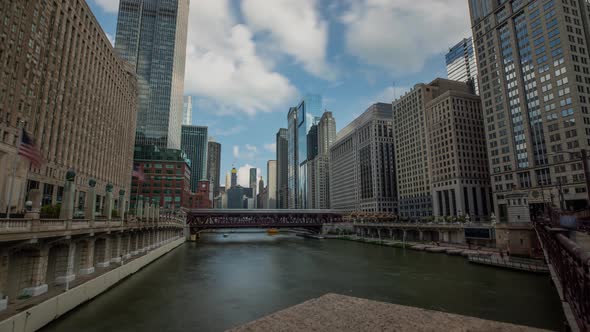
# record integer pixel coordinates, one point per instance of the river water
(219, 283)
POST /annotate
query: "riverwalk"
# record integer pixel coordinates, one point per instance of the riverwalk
(334, 312)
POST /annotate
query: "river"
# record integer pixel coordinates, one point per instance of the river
(220, 283)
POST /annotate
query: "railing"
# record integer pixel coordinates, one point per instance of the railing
(18, 225)
(14, 225)
(422, 225)
(571, 267)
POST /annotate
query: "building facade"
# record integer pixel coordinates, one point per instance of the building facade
(271, 185)
(362, 164)
(282, 174)
(79, 104)
(151, 36)
(194, 142)
(253, 176)
(459, 172)
(167, 175)
(292, 160)
(310, 105)
(234, 178)
(462, 64)
(532, 57)
(411, 148)
(214, 166)
(187, 110)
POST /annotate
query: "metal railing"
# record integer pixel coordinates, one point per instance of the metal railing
(570, 265)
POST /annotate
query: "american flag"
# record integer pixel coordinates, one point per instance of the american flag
(138, 172)
(28, 150)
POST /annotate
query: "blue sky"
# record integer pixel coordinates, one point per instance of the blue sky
(248, 61)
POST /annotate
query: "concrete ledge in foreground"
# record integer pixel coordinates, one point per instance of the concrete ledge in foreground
(334, 312)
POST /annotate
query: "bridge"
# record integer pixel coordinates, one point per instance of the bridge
(313, 220)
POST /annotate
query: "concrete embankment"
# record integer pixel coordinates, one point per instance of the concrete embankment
(43, 313)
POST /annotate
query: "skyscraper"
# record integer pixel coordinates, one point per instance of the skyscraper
(187, 110)
(461, 63)
(234, 177)
(533, 65)
(292, 159)
(227, 181)
(214, 165)
(271, 184)
(326, 133)
(362, 164)
(194, 144)
(460, 179)
(321, 183)
(310, 105)
(253, 172)
(151, 36)
(282, 176)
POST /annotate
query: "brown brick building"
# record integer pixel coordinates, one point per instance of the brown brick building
(60, 78)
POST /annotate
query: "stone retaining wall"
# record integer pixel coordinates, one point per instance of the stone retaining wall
(38, 316)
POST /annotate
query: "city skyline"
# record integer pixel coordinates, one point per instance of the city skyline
(362, 79)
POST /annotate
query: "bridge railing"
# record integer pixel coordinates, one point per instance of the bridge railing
(571, 267)
(22, 225)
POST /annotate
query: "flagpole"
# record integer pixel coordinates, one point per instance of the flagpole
(14, 164)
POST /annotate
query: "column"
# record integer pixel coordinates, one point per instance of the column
(453, 197)
(67, 206)
(35, 198)
(103, 252)
(421, 235)
(109, 202)
(472, 205)
(460, 201)
(38, 262)
(139, 207)
(116, 249)
(4, 265)
(436, 203)
(87, 257)
(128, 246)
(157, 212)
(90, 200)
(121, 207)
(65, 265)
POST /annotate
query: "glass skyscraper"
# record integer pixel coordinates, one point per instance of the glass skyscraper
(187, 110)
(151, 36)
(310, 105)
(194, 143)
(461, 63)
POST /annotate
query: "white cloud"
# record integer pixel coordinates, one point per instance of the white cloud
(109, 6)
(220, 131)
(249, 153)
(111, 38)
(244, 175)
(223, 67)
(251, 148)
(271, 147)
(296, 27)
(401, 35)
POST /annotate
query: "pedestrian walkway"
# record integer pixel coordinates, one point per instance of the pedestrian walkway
(334, 312)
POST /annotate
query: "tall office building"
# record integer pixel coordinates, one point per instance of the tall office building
(253, 173)
(214, 165)
(461, 63)
(310, 105)
(194, 144)
(326, 137)
(151, 36)
(187, 110)
(80, 110)
(326, 133)
(362, 164)
(533, 66)
(292, 159)
(459, 171)
(227, 181)
(271, 185)
(234, 177)
(282, 150)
